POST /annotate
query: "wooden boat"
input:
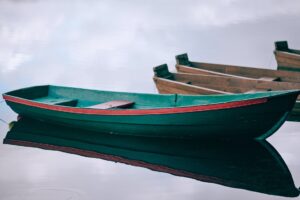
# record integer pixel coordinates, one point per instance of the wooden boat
(185, 83)
(152, 115)
(251, 165)
(287, 59)
(184, 65)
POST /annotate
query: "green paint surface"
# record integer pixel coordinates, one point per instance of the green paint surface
(242, 122)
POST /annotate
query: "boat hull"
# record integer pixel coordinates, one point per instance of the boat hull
(245, 119)
(287, 59)
(239, 79)
(184, 65)
(198, 84)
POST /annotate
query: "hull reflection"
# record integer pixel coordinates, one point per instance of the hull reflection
(250, 165)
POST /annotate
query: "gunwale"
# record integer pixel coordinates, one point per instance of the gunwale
(184, 65)
(153, 111)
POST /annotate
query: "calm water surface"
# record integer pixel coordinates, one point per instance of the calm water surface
(113, 45)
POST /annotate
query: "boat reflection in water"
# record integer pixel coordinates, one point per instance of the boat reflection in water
(250, 165)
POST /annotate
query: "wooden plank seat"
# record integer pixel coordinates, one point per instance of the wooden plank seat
(58, 101)
(270, 78)
(69, 102)
(113, 104)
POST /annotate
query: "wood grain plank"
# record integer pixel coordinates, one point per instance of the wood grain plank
(113, 104)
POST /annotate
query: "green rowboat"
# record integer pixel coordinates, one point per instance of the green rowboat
(249, 164)
(238, 116)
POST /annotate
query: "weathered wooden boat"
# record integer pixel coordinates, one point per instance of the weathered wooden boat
(251, 165)
(185, 83)
(287, 59)
(152, 115)
(184, 65)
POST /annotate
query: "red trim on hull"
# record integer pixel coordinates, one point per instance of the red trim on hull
(174, 110)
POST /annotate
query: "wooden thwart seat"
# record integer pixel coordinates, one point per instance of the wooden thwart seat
(67, 102)
(113, 104)
(270, 78)
(62, 101)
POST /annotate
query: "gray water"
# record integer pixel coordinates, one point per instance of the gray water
(113, 45)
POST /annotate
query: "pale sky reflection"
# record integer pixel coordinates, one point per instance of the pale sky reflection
(113, 45)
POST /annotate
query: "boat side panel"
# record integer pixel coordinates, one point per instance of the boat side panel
(287, 61)
(232, 84)
(242, 71)
(242, 121)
